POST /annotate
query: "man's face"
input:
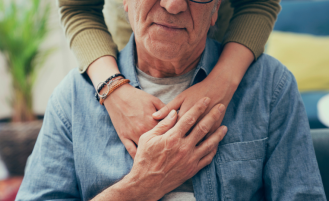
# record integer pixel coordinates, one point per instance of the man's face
(170, 29)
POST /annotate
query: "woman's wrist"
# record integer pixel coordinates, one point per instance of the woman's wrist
(232, 64)
(230, 69)
(101, 69)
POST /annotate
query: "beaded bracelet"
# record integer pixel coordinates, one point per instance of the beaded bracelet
(105, 83)
(108, 88)
(113, 87)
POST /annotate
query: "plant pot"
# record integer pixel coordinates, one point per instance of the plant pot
(16, 144)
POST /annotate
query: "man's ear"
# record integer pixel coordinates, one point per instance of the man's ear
(125, 5)
(214, 15)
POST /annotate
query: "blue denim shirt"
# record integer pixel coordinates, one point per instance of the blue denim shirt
(267, 153)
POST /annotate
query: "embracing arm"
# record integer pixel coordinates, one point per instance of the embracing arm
(251, 23)
(244, 41)
(86, 31)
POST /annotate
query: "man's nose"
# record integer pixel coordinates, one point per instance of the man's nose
(174, 6)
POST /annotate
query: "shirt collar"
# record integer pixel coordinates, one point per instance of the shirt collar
(209, 58)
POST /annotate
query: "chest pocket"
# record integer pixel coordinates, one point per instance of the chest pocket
(239, 170)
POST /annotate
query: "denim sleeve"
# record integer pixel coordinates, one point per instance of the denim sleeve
(51, 174)
(290, 170)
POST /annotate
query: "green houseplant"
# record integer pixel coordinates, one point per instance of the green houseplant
(23, 28)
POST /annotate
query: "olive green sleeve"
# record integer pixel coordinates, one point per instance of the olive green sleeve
(86, 31)
(252, 23)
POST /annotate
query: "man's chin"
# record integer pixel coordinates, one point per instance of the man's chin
(164, 51)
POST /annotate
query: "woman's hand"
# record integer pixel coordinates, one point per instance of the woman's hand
(219, 85)
(130, 109)
(131, 112)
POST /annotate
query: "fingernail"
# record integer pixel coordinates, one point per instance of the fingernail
(221, 108)
(206, 101)
(224, 129)
(157, 113)
(172, 114)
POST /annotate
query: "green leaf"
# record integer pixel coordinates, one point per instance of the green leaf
(23, 28)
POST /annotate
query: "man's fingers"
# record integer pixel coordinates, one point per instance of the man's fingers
(164, 111)
(166, 124)
(188, 120)
(204, 126)
(130, 146)
(207, 149)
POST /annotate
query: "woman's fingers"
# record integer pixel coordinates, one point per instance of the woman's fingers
(172, 105)
(130, 146)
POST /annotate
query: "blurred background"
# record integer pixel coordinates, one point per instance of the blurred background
(35, 57)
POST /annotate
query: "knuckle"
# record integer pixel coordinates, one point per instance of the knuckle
(214, 114)
(123, 134)
(178, 132)
(166, 108)
(213, 153)
(141, 128)
(142, 138)
(203, 128)
(190, 120)
(209, 147)
(131, 151)
(171, 141)
(184, 150)
(162, 125)
(201, 107)
(208, 160)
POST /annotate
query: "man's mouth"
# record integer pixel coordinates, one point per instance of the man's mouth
(169, 26)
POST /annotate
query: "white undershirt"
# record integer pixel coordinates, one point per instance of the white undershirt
(166, 89)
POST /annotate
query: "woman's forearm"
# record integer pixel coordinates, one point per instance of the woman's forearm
(85, 29)
(252, 23)
(101, 69)
(230, 68)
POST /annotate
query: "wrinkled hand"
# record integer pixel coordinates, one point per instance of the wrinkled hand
(131, 112)
(166, 157)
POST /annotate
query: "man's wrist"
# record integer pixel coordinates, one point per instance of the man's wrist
(127, 189)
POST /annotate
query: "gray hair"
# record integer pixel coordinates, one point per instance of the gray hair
(213, 29)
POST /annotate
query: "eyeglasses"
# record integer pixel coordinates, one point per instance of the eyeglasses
(201, 1)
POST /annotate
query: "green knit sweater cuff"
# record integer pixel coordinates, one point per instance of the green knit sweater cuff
(91, 44)
(250, 30)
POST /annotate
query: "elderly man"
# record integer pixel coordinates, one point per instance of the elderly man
(266, 154)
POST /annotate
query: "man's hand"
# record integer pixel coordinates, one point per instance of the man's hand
(132, 110)
(169, 154)
(167, 157)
